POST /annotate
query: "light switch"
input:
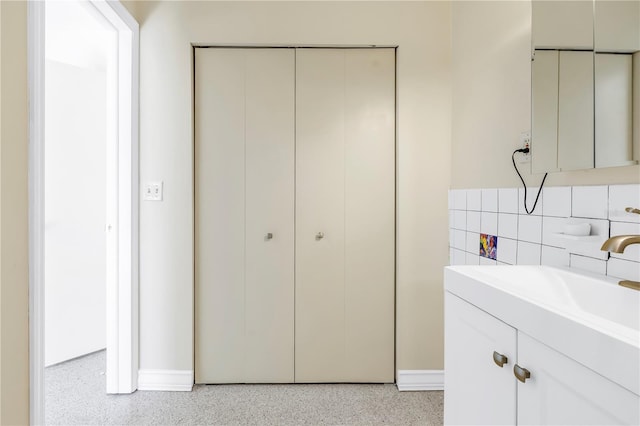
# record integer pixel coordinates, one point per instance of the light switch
(153, 191)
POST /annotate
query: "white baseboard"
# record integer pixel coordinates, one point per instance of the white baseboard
(165, 380)
(420, 380)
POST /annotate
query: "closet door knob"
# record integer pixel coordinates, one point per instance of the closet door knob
(521, 374)
(268, 237)
(500, 359)
(319, 236)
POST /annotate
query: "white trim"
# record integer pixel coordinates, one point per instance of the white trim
(123, 374)
(165, 380)
(35, 69)
(420, 380)
(122, 293)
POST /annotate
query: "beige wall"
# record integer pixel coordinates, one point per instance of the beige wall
(14, 332)
(422, 31)
(491, 99)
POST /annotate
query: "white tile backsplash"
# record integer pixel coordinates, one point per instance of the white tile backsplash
(473, 199)
(530, 228)
(459, 199)
(551, 227)
(528, 253)
(508, 200)
(532, 193)
(487, 261)
(621, 197)
(473, 243)
(530, 239)
(632, 252)
(557, 201)
(590, 264)
(508, 225)
(459, 219)
(457, 257)
(623, 269)
(459, 239)
(489, 223)
(506, 251)
(472, 259)
(490, 200)
(554, 256)
(590, 201)
(473, 221)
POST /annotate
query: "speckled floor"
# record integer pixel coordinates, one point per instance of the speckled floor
(75, 394)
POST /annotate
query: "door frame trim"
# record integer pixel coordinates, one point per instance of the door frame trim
(122, 294)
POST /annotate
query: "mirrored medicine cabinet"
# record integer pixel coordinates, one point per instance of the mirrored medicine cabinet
(585, 84)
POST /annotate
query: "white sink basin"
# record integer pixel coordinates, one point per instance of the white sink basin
(597, 299)
(588, 317)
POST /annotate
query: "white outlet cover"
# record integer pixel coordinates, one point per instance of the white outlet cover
(153, 191)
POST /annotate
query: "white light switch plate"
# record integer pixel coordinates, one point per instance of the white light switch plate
(153, 191)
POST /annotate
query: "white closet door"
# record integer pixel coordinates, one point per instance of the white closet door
(270, 168)
(345, 126)
(244, 171)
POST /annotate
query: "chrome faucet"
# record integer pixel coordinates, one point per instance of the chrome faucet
(618, 243)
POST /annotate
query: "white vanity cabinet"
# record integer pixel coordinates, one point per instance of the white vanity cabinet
(559, 389)
(477, 389)
(562, 391)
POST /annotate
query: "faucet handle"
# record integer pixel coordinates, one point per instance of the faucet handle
(632, 210)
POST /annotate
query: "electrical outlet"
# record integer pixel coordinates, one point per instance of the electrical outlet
(525, 142)
(153, 191)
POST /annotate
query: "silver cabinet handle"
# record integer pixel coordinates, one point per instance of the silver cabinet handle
(319, 236)
(521, 374)
(268, 237)
(500, 359)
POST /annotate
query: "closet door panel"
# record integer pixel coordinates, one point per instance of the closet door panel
(220, 218)
(244, 191)
(369, 214)
(320, 163)
(270, 82)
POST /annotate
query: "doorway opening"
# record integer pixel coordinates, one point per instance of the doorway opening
(83, 190)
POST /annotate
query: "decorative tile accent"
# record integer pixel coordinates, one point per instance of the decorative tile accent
(488, 246)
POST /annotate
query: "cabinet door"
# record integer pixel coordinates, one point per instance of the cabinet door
(345, 156)
(575, 111)
(477, 390)
(544, 114)
(562, 391)
(244, 188)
